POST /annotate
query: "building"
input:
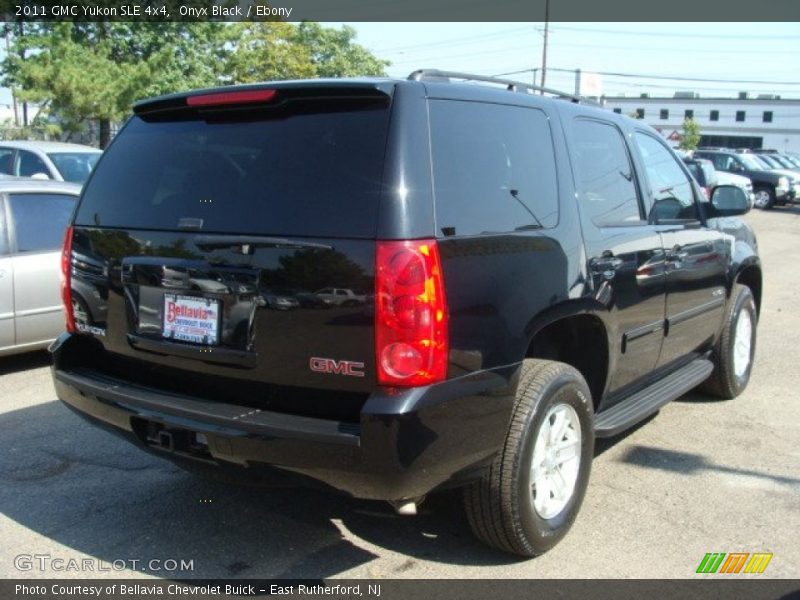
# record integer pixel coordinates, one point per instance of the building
(764, 122)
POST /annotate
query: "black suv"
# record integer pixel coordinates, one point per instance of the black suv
(770, 188)
(537, 272)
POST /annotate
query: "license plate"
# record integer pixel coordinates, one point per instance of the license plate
(190, 319)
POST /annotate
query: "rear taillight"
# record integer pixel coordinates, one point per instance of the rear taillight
(66, 280)
(410, 313)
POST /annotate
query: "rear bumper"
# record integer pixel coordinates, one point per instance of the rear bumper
(407, 443)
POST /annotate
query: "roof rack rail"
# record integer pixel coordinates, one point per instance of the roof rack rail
(511, 85)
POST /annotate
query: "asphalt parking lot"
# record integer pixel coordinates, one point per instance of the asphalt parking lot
(701, 476)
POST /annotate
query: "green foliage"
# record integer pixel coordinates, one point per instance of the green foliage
(690, 138)
(80, 72)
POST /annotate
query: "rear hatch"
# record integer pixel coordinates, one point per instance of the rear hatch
(216, 224)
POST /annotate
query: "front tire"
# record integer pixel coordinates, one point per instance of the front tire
(735, 349)
(764, 198)
(528, 499)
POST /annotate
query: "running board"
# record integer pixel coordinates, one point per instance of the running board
(644, 403)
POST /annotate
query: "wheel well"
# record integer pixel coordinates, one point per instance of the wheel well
(751, 277)
(579, 341)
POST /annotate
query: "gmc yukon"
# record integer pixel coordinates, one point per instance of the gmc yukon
(538, 272)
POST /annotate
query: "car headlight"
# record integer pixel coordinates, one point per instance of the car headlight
(783, 183)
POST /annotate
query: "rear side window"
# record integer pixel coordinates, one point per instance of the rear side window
(40, 220)
(604, 175)
(315, 172)
(30, 164)
(493, 168)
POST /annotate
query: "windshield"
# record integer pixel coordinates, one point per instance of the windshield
(769, 162)
(751, 162)
(75, 166)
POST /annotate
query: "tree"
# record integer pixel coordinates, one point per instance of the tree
(265, 51)
(334, 52)
(85, 72)
(690, 138)
(95, 71)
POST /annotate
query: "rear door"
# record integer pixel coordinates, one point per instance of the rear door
(38, 221)
(624, 252)
(696, 255)
(201, 214)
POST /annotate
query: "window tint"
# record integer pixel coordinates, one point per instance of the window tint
(767, 116)
(640, 113)
(618, 111)
(40, 220)
(671, 188)
(713, 115)
(664, 114)
(75, 166)
(688, 114)
(30, 164)
(6, 161)
(740, 114)
(493, 168)
(603, 174)
(310, 170)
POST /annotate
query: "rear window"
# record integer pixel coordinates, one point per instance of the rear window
(74, 166)
(40, 220)
(315, 173)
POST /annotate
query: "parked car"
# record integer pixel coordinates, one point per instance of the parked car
(543, 271)
(703, 172)
(740, 181)
(340, 296)
(770, 188)
(278, 299)
(58, 161)
(709, 178)
(33, 218)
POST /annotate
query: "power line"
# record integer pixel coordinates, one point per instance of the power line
(456, 41)
(679, 35)
(669, 77)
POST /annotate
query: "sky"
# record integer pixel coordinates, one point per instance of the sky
(741, 52)
(736, 52)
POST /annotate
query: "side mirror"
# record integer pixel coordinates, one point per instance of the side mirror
(40, 176)
(729, 200)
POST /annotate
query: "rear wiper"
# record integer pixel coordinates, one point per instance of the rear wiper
(247, 244)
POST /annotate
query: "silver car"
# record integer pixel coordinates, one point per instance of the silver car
(58, 161)
(33, 217)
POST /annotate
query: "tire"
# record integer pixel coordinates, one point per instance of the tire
(731, 374)
(502, 506)
(764, 198)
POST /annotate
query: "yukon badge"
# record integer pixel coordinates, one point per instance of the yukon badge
(336, 367)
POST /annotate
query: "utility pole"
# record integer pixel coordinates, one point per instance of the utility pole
(544, 47)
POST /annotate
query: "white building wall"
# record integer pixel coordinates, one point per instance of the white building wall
(783, 133)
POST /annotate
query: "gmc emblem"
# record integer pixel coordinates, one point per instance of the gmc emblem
(336, 367)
